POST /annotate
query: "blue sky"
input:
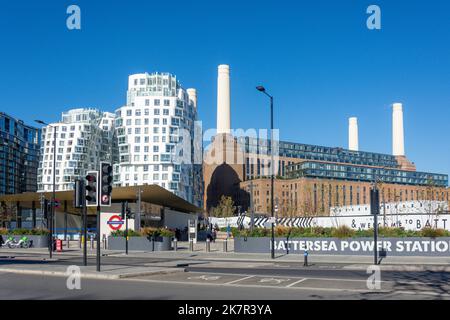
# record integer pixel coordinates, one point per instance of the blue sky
(316, 57)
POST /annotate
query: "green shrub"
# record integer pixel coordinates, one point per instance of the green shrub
(433, 233)
(121, 233)
(28, 232)
(342, 232)
(4, 231)
(157, 232)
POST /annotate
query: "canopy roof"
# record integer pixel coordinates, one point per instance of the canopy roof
(153, 194)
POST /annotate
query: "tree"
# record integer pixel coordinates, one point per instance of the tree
(225, 208)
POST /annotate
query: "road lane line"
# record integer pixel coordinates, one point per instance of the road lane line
(238, 280)
(297, 282)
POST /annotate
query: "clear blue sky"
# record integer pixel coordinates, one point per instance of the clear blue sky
(316, 57)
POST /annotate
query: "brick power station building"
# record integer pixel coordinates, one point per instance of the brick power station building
(310, 179)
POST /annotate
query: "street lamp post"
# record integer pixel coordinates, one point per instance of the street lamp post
(53, 203)
(272, 176)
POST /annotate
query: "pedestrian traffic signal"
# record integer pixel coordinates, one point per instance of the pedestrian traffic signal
(106, 181)
(92, 189)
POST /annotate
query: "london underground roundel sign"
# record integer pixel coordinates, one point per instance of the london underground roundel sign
(115, 223)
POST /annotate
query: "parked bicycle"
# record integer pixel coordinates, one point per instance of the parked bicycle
(23, 242)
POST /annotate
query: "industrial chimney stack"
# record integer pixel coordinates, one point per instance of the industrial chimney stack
(353, 137)
(223, 100)
(398, 139)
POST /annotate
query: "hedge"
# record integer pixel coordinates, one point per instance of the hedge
(340, 232)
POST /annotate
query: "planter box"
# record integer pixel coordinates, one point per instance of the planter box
(438, 247)
(38, 241)
(140, 244)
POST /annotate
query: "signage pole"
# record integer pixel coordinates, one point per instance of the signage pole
(84, 233)
(375, 239)
(375, 210)
(98, 237)
(126, 231)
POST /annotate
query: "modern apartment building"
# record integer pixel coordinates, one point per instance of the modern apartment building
(19, 155)
(158, 118)
(84, 138)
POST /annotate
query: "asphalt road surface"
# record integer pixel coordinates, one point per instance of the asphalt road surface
(181, 286)
(203, 280)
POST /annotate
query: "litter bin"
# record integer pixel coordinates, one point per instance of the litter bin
(59, 245)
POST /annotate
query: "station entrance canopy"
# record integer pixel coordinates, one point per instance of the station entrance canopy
(153, 194)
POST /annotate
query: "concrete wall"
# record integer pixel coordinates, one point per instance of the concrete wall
(355, 246)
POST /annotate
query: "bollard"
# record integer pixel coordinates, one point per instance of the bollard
(175, 244)
(225, 245)
(92, 243)
(79, 241)
(305, 255)
(191, 245)
(208, 245)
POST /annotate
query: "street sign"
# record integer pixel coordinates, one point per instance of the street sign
(115, 223)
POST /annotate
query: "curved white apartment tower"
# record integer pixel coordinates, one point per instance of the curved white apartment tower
(84, 138)
(158, 114)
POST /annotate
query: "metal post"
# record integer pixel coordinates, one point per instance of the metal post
(54, 186)
(126, 232)
(208, 245)
(225, 245)
(65, 220)
(84, 231)
(137, 221)
(272, 177)
(46, 205)
(375, 239)
(191, 245)
(33, 215)
(252, 210)
(305, 262)
(98, 238)
(175, 244)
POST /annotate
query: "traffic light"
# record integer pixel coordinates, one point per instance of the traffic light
(375, 201)
(92, 189)
(106, 181)
(124, 210)
(78, 194)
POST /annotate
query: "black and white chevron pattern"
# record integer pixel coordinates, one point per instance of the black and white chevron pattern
(240, 220)
(303, 222)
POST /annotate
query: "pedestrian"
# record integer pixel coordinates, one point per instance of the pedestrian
(228, 231)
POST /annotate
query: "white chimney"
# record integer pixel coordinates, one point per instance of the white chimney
(192, 93)
(223, 100)
(353, 137)
(398, 139)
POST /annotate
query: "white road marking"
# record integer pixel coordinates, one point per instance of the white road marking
(238, 280)
(296, 282)
(205, 277)
(392, 291)
(277, 281)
